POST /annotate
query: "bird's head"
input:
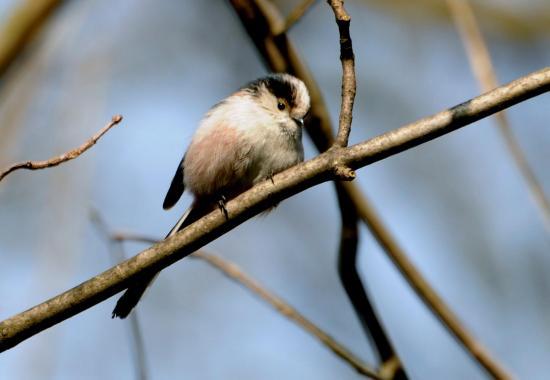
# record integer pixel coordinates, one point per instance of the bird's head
(284, 96)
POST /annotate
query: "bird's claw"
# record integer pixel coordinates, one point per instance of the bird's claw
(221, 206)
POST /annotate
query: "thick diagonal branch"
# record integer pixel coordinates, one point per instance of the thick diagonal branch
(261, 197)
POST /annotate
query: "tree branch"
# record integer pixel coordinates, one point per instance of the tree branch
(480, 61)
(261, 197)
(348, 72)
(15, 34)
(347, 270)
(296, 14)
(233, 272)
(70, 155)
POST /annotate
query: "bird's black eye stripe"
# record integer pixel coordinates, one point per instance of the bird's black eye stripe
(277, 85)
(281, 106)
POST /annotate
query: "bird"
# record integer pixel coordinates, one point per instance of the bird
(244, 139)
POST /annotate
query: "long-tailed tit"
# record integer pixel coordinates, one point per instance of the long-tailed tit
(244, 139)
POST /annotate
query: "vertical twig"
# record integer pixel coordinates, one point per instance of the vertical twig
(116, 253)
(348, 72)
(138, 346)
(482, 66)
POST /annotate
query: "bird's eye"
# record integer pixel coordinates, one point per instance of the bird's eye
(281, 106)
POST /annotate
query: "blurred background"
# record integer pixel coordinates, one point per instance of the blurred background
(458, 205)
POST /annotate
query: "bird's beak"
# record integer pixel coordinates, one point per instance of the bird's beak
(298, 121)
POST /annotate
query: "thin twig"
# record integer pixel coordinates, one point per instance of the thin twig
(138, 348)
(17, 31)
(348, 73)
(296, 14)
(233, 272)
(70, 155)
(482, 66)
(263, 196)
(116, 251)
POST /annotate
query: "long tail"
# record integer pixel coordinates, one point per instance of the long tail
(133, 294)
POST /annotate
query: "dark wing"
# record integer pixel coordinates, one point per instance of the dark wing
(176, 188)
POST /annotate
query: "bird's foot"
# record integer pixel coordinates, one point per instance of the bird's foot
(221, 206)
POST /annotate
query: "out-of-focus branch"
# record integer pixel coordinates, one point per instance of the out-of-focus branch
(26, 18)
(233, 272)
(391, 368)
(260, 198)
(482, 66)
(509, 21)
(296, 14)
(70, 155)
(116, 252)
(348, 72)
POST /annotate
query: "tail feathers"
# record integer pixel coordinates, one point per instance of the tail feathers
(182, 222)
(133, 294)
(131, 297)
(194, 212)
